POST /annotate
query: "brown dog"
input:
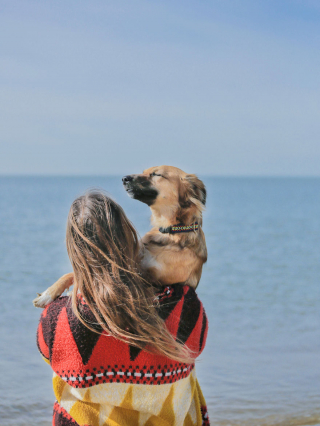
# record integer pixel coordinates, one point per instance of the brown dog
(174, 250)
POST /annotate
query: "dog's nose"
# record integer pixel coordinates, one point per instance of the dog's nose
(127, 179)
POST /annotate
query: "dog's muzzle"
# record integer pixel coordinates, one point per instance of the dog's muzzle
(127, 179)
(140, 188)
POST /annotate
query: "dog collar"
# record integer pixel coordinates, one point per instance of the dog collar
(179, 228)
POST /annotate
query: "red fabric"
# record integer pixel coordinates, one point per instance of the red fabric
(61, 417)
(42, 346)
(205, 417)
(83, 358)
(64, 353)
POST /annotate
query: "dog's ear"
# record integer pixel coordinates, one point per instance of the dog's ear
(198, 188)
(192, 190)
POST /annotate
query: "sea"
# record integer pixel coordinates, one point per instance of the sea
(260, 289)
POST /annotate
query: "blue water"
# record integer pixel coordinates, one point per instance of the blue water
(260, 288)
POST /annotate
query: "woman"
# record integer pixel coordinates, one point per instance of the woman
(122, 350)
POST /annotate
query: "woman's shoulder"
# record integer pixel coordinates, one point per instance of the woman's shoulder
(171, 295)
(54, 308)
(58, 324)
(60, 311)
(184, 314)
(48, 324)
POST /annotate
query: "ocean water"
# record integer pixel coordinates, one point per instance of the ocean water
(260, 288)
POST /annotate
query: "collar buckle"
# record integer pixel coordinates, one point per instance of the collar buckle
(179, 228)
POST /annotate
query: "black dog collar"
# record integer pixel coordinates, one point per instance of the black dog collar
(177, 229)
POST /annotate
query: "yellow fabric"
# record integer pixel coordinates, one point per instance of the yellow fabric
(188, 421)
(124, 414)
(46, 360)
(201, 397)
(125, 404)
(86, 412)
(58, 386)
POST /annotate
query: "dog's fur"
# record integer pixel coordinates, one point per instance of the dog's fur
(174, 197)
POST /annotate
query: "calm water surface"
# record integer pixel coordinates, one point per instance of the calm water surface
(260, 288)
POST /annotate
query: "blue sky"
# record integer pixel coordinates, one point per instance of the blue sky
(112, 87)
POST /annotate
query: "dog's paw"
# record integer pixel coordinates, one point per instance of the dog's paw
(42, 300)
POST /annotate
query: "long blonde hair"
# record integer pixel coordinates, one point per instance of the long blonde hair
(103, 248)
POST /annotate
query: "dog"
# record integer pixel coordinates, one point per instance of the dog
(174, 250)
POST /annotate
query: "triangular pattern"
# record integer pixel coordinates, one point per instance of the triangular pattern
(132, 408)
(167, 411)
(156, 421)
(143, 418)
(174, 318)
(116, 354)
(188, 421)
(85, 338)
(134, 352)
(199, 392)
(50, 320)
(204, 329)
(183, 396)
(194, 410)
(64, 344)
(61, 417)
(127, 400)
(58, 387)
(124, 415)
(168, 304)
(199, 401)
(86, 412)
(194, 407)
(109, 383)
(193, 341)
(189, 315)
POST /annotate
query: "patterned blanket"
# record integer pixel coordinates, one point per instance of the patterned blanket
(99, 380)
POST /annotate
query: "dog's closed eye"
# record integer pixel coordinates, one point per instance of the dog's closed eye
(156, 174)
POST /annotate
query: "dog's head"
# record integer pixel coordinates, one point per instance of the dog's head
(171, 193)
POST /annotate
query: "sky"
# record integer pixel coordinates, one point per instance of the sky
(108, 87)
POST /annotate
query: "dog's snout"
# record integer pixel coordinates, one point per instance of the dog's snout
(127, 179)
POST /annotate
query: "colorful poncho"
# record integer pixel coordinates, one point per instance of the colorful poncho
(99, 380)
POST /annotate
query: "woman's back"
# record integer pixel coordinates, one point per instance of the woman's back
(100, 380)
(121, 353)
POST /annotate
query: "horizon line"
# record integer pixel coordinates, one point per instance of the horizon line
(43, 175)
